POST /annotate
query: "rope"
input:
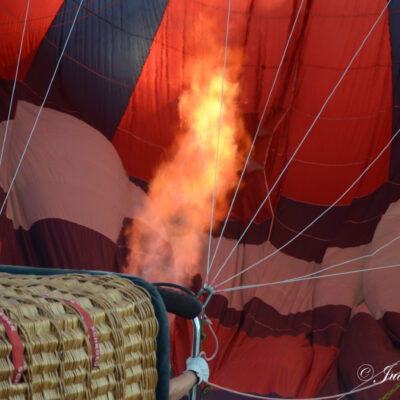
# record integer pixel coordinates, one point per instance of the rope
(208, 322)
(254, 396)
(312, 222)
(307, 278)
(339, 264)
(15, 81)
(206, 387)
(336, 265)
(357, 389)
(40, 109)
(255, 137)
(303, 139)
(219, 134)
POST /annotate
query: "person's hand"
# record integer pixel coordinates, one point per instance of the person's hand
(199, 366)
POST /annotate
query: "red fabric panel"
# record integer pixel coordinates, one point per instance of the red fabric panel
(151, 119)
(356, 124)
(12, 18)
(287, 365)
(352, 130)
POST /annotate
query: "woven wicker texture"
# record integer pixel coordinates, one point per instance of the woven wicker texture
(58, 354)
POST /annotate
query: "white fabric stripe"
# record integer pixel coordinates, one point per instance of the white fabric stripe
(71, 171)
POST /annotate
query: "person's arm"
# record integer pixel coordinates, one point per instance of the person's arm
(181, 384)
(197, 371)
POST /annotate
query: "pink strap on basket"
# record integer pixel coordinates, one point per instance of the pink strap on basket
(88, 321)
(16, 346)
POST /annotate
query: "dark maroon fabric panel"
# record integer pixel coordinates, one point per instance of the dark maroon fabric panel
(332, 385)
(55, 243)
(365, 342)
(122, 242)
(256, 234)
(13, 249)
(391, 325)
(345, 226)
(304, 247)
(360, 222)
(341, 226)
(394, 25)
(323, 325)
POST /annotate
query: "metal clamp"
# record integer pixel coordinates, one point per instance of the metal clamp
(206, 289)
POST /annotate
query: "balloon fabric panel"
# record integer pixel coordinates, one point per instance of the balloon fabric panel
(12, 17)
(103, 60)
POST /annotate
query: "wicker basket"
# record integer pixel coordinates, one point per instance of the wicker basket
(75, 337)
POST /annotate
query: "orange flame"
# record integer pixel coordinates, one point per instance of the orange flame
(180, 195)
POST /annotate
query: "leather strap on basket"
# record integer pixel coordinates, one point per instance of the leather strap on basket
(88, 321)
(17, 348)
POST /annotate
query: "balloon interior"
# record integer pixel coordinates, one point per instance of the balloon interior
(247, 150)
